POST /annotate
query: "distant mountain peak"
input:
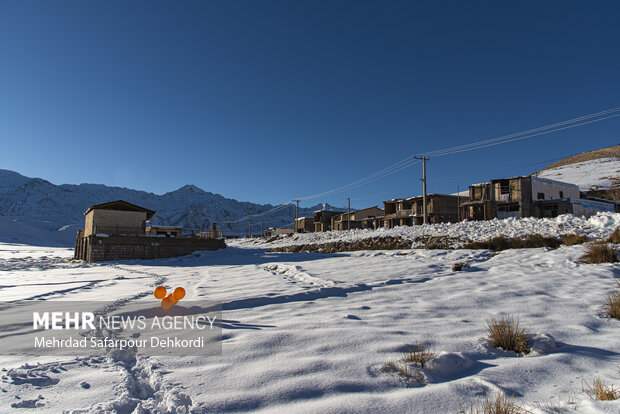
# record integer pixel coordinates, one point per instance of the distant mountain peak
(191, 188)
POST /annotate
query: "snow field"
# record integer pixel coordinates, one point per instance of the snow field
(309, 332)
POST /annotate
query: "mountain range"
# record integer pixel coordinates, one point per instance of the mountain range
(37, 203)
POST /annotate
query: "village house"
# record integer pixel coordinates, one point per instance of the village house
(528, 196)
(117, 231)
(322, 219)
(374, 222)
(355, 220)
(441, 208)
(305, 225)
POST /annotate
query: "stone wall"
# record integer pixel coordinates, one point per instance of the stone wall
(95, 249)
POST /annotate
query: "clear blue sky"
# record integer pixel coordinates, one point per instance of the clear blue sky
(264, 101)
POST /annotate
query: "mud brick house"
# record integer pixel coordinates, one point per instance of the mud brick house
(305, 225)
(527, 196)
(117, 231)
(322, 219)
(374, 222)
(441, 208)
(355, 220)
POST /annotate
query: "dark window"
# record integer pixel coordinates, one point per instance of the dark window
(541, 196)
(561, 194)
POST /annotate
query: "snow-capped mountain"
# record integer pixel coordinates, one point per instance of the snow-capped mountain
(33, 204)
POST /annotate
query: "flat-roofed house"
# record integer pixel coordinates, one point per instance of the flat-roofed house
(441, 208)
(322, 219)
(354, 220)
(519, 197)
(117, 231)
(305, 225)
(116, 217)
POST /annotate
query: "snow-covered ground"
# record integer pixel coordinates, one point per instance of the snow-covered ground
(594, 227)
(308, 332)
(588, 175)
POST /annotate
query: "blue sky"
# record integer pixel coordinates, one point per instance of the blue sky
(266, 101)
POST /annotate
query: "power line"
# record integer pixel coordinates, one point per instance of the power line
(547, 129)
(409, 161)
(399, 166)
(492, 171)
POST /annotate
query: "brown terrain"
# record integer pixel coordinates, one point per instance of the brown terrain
(607, 152)
(612, 193)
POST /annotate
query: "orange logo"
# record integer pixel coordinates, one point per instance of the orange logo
(172, 299)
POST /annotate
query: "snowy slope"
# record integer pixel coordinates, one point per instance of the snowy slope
(310, 333)
(594, 227)
(588, 175)
(24, 199)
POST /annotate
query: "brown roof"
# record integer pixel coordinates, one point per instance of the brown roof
(123, 206)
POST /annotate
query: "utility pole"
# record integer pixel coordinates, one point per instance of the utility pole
(250, 227)
(458, 203)
(424, 159)
(262, 233)
(296, 216)
(348, 213)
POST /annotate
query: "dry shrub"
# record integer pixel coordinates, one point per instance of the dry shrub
(498, 405)
(599, 253)
(615, 236)
(502, 243)
(508, 334)
(405, 373)
(599, 391)
(612, 306)
(496, 243)
(573, 239)
(419, 355)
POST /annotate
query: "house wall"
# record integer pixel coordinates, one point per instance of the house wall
(551, 189)
(176, 231)
(305, 224)
(106, 221)
(443, 205)
(95, 249)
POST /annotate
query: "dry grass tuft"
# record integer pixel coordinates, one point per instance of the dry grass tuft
(573, 239)
(498, 405)
(508, 334)
(599, 391)
(612, 307)
(599, 253)
(405, 373)
(419, 355)
(615, 236)
(500, 243)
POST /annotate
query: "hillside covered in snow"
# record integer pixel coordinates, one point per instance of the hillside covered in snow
(35, 211)
(592, 170)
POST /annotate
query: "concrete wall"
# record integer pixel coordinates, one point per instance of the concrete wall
(95, 249)
(551, 189)
(103, 221)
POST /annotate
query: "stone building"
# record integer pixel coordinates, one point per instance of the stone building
(527, 196)
(117, 231)
(441, 208)
(305, 225)
(356, 220)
